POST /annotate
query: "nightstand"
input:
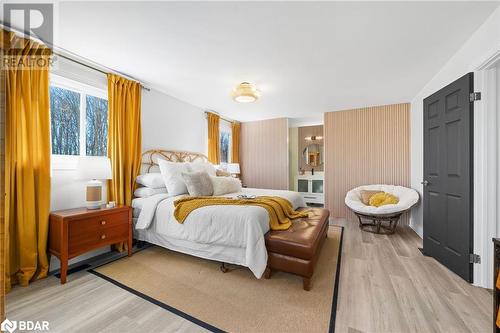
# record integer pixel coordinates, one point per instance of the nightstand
(73, 232)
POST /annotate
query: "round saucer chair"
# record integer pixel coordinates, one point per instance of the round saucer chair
(383, 219)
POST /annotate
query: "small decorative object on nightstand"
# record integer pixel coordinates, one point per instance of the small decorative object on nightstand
(73, 232)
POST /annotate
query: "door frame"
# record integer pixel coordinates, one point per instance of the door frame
(486, 181)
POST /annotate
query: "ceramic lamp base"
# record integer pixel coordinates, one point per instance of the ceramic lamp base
(94, 194)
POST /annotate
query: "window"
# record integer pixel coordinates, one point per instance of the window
(225, 139)
(96, 139)
(79, 119)
(65, 121)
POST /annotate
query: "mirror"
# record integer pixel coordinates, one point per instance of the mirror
(313, 155)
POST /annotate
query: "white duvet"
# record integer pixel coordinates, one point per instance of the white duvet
(228, 226)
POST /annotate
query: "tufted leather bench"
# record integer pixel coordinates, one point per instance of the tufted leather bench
(297, 249)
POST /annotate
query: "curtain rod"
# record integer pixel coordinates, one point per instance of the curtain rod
(67, 57)
(97, 69)
(221, 117)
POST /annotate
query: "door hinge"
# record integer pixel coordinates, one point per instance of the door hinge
(475, 96)
(474, 258)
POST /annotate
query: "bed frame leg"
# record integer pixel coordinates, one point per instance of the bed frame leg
(306, 284)
(267, 273)
(223, 267)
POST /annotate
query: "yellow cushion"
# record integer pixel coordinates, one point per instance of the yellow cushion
(382, 199)
(366, 195)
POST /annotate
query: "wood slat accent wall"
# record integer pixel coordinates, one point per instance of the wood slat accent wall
(365, 146)
(264, 153)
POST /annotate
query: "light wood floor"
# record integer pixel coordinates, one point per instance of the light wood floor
(87, 303)
(386, 285)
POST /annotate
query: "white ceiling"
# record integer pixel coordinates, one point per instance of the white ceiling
(305, 57)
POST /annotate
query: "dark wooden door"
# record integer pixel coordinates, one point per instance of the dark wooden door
(448, 176)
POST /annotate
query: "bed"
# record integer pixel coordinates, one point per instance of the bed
(228, 234)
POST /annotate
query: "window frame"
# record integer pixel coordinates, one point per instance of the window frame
(69, 162)
(228, 128)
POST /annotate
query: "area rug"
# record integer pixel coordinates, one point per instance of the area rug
(235, 301)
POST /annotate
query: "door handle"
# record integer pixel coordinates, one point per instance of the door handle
(425, 183)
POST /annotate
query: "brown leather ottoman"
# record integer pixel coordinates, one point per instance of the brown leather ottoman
(297, 249)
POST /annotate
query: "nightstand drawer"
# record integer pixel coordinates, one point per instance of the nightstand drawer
(79, 243)
(93, 225)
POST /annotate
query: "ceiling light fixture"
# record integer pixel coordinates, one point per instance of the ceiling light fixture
(245, 93)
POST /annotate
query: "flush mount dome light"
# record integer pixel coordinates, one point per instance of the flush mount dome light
(245, 93)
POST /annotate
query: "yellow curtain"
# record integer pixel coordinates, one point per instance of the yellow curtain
(235, 129)
(213, 138)
(124, 137)
(27, 159)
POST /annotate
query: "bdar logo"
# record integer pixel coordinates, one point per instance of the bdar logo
(8, 326)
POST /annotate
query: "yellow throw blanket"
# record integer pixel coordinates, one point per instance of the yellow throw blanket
(280, 210)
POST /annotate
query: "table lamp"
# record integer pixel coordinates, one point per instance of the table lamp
(94, 169)
(233, 169)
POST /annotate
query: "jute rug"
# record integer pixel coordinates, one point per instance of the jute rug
(234, 301)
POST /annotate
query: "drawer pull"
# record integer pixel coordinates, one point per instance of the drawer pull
(103, 222)
(103, 236)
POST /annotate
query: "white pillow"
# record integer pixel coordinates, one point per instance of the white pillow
(203, 167)
(172, 176)
(145, 192)
(153, 180)
(225, 185)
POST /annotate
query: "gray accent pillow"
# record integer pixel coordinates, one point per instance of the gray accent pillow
(198, 183)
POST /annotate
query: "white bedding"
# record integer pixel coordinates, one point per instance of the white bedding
(233, 234)
(137, 206)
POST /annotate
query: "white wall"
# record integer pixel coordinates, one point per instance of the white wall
(169, 123)
(66, 190)
(482, 44)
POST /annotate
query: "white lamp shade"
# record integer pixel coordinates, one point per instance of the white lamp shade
(222, 166)
(94, 168)
(233, 168)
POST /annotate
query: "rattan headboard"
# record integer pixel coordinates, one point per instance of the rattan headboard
(149, 162)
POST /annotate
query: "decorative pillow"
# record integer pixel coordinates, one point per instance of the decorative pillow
(202, 167)
(382, 199)
(145, 192)
(172, 176)
(198, 183)
(366, 195)
(222, 173)
(153, 180)
(225, 185)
